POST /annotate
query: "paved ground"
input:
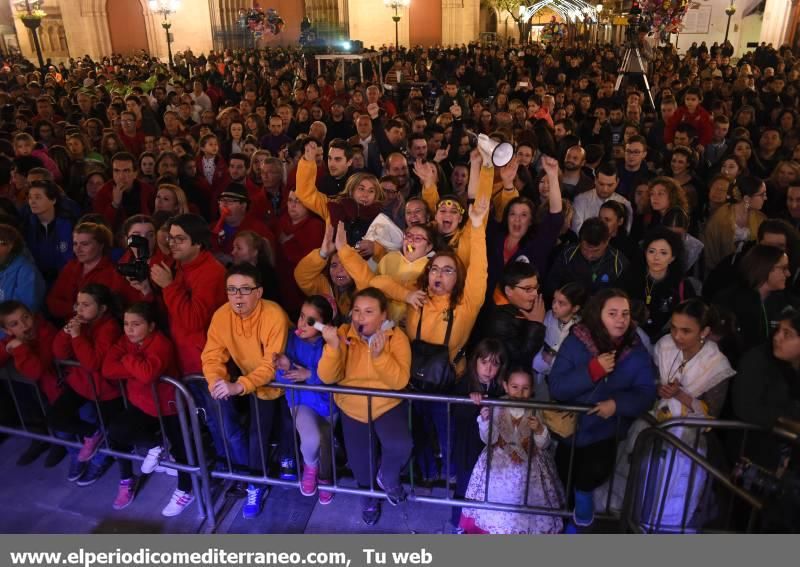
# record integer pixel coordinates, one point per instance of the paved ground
(39, 500)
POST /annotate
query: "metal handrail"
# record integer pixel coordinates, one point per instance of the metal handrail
(183, 401)
(642, 447)
(264, 479)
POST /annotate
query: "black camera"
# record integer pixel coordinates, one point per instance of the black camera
(138, 268)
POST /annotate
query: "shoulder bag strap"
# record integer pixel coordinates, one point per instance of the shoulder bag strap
(419, 323)
(450, 317)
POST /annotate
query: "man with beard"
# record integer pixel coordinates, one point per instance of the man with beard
(340, 158)
(574, 181)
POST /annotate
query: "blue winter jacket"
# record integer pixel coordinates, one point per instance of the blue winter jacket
(306, 354)
(632, 385)
(21, 280)
(51, 249)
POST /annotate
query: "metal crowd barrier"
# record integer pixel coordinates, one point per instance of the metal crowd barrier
(264, 479)
(649, 484)
(642, 494)
(187, 412)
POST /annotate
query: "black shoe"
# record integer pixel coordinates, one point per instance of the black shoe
(55, 456)
(371, 512)
(32, 453)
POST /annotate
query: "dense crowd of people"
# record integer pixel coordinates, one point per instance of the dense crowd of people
(246, 219)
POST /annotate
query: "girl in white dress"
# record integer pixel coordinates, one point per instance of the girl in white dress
(518, 435)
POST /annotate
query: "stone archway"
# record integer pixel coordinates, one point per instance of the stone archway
(127, 26)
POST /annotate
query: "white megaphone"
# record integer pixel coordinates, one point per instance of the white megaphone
(496, 153)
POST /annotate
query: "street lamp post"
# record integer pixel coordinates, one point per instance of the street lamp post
(31, 16)
(396, 5)
(729, 11)
(599, 10)
(166, 8)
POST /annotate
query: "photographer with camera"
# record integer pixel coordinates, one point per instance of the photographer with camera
(141, 254)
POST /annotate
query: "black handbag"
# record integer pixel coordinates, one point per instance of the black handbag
(431, 369)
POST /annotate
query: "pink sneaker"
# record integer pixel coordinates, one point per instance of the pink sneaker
(325, 496)
(90, 447)
(125, 493)
(308, 484)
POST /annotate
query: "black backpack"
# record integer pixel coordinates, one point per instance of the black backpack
(431, 369)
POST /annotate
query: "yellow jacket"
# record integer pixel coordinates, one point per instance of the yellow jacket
(306, 190)
(460, 240)
(434, 321)
(353, 365)
(394, 265)
(312, 280)
(250, 342)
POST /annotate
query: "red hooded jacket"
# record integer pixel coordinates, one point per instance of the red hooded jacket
(89, 349)
(141, 366)
(61, 298)
(197, 291)
(34, 359)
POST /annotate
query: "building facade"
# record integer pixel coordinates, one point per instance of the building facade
(73, 28)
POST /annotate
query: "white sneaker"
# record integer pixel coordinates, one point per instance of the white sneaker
(151, 460)
(166, 470)
(179, 501)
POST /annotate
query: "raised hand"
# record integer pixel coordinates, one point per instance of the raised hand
(426, 172)
(328, 247)
(310, 152)
(509, 172)
(478, 210)
(341, 236)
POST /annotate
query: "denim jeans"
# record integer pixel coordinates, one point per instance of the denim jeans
(229, 431)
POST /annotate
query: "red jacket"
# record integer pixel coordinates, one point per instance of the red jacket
(61, 298)
(701, 120)
(89, 349)
(116, 217)
(295, 242)
(141, 366)
(197, 291)
(261, 205)
(34, 360)
(134, 144)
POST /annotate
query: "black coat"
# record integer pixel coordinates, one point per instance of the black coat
(522, 338)
(764, 390)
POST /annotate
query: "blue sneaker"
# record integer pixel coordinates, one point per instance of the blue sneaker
(255, 501)
(288, 469)
(76, 468)
(583, 515)
(93, 473)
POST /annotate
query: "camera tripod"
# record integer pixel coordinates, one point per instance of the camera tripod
(632, 65)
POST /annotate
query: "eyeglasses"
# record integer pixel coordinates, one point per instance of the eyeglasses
(528, 288)
(782, 268)
(415, 238)
(180, 239)
(446, 271)
(244, 290)
(761, 194)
